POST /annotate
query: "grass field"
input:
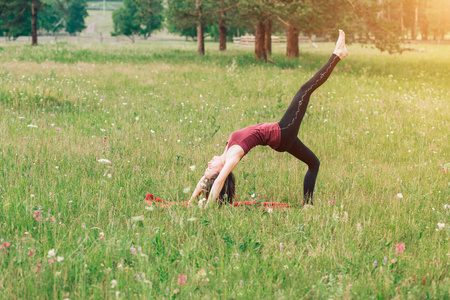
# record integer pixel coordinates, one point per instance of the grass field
(73, 227)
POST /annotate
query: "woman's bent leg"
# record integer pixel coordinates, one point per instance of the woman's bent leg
(303, 153)
(292, 118)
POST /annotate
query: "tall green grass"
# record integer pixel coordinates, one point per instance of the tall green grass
(379, 126)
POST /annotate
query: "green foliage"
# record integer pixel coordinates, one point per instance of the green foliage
(151, 16)
(51, 17)
(76, 13)
(138, 17)
(379, 125)
(126, 20)
(15, 18)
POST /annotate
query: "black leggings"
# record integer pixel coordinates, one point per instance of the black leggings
(290, 124)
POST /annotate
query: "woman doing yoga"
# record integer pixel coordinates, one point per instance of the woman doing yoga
(218, 181)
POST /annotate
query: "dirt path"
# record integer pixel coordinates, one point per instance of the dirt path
(91, 26)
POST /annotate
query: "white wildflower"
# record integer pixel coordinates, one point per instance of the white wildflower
(51, 253)
(113, 283)
(104, 160)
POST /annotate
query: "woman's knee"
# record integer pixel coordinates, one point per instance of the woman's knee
(314, 164)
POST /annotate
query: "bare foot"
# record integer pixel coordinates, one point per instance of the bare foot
(340, 49)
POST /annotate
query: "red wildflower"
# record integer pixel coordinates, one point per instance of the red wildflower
(399, 248)
(182, 279)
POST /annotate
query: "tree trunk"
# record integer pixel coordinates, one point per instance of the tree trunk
(260, 50)
(268, 37)
(34, 11)
(200, 39)
(200, 29)
(423, 20)
(292, 42)
(402, 21)
(414, 24)
(222, 33)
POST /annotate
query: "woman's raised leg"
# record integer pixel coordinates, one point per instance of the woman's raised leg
(292, 118)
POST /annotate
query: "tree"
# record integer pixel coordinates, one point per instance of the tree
(15, 18)
(76, 12)
(185, 14)
(51, 18)
(126, 19)
(22, 17)
(259, 12)
(138, 17)
(151, 16)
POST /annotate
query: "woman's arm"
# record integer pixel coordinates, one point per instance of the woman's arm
(198, 190)
(231, 161)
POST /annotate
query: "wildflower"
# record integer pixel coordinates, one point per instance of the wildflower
(51, 260)
(270, 210)
(182, 279)
(399, 196)
(201, 273)
(441, 226)
(37, 215)
(399, 248)
(384, 260)
(446, 206)
(52, 115)
(51, 253)
(375, 263)
(31, 252)
(5, 245)
(32, 126)
(104, 160)
(281, 246)
(57, 128)
(175, 291)
(393, 261)
(237, 255)
(113, 283)
(59, 259)
(192, 168)
(133, 250)
(186, 190)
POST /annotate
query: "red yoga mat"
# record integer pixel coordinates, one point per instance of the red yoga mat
(151, 199)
